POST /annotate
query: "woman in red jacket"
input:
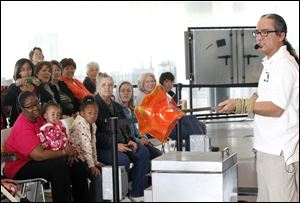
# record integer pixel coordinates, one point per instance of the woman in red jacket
(78, 89)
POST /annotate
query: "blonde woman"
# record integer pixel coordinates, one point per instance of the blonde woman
(146, 84)
(189, 123)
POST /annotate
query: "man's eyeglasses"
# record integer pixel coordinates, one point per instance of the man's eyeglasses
(263, 33)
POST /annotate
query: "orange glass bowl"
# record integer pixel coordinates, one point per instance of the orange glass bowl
(158, 114)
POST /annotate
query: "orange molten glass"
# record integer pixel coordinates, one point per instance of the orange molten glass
(158, 114)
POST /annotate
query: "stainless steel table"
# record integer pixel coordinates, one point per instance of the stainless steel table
(194, 176)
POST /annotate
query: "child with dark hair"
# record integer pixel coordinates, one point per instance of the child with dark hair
(83, 132)
(53, 134)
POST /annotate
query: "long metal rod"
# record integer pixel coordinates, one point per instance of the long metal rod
(115, 171)
(214, 108)
(218, 85)
(178, 127)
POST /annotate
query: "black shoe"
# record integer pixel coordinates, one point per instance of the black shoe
(215, 149)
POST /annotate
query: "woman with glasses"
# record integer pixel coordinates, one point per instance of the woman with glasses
(33, 161)
(124, 96)
(276, 109)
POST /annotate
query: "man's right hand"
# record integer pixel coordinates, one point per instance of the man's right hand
(227, 106)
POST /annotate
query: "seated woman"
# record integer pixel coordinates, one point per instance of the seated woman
(146, 84)
(65, 96)
(124, 96)
(43, 72)
(33, 161)
(78, 89)
(24, 81)
(92, 70)
(36, 55)
(128, 149)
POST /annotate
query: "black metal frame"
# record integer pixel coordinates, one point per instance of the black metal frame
(189, 64)
(115, 165)
(179, 87)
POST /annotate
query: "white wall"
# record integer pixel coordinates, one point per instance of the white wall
(122, 35)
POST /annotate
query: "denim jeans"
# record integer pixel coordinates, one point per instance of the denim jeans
(190, 125)
(141, 162)
(96, 189)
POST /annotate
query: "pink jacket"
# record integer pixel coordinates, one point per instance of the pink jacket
(53, 136)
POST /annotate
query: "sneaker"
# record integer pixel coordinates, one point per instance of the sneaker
(137, 199)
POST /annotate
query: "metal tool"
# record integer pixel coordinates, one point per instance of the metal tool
(214, 108)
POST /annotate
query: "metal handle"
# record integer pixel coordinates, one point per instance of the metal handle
(226, 57)
(250, 56)
(226, 149)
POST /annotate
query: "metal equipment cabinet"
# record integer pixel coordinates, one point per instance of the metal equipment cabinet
(222, 55)
(194, 177)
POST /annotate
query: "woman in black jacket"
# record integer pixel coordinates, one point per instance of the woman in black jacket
(64, 95)
(24, 81)
(92, 70)
(128, 149)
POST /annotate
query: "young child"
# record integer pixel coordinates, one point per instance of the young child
(83, 133)
(53, 134)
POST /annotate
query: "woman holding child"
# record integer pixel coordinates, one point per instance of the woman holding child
(33, 161)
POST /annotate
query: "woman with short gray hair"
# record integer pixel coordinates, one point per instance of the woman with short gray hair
(128, 148)
(92, 70)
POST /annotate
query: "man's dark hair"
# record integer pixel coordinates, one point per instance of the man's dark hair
(166, 76)
(280, 26)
